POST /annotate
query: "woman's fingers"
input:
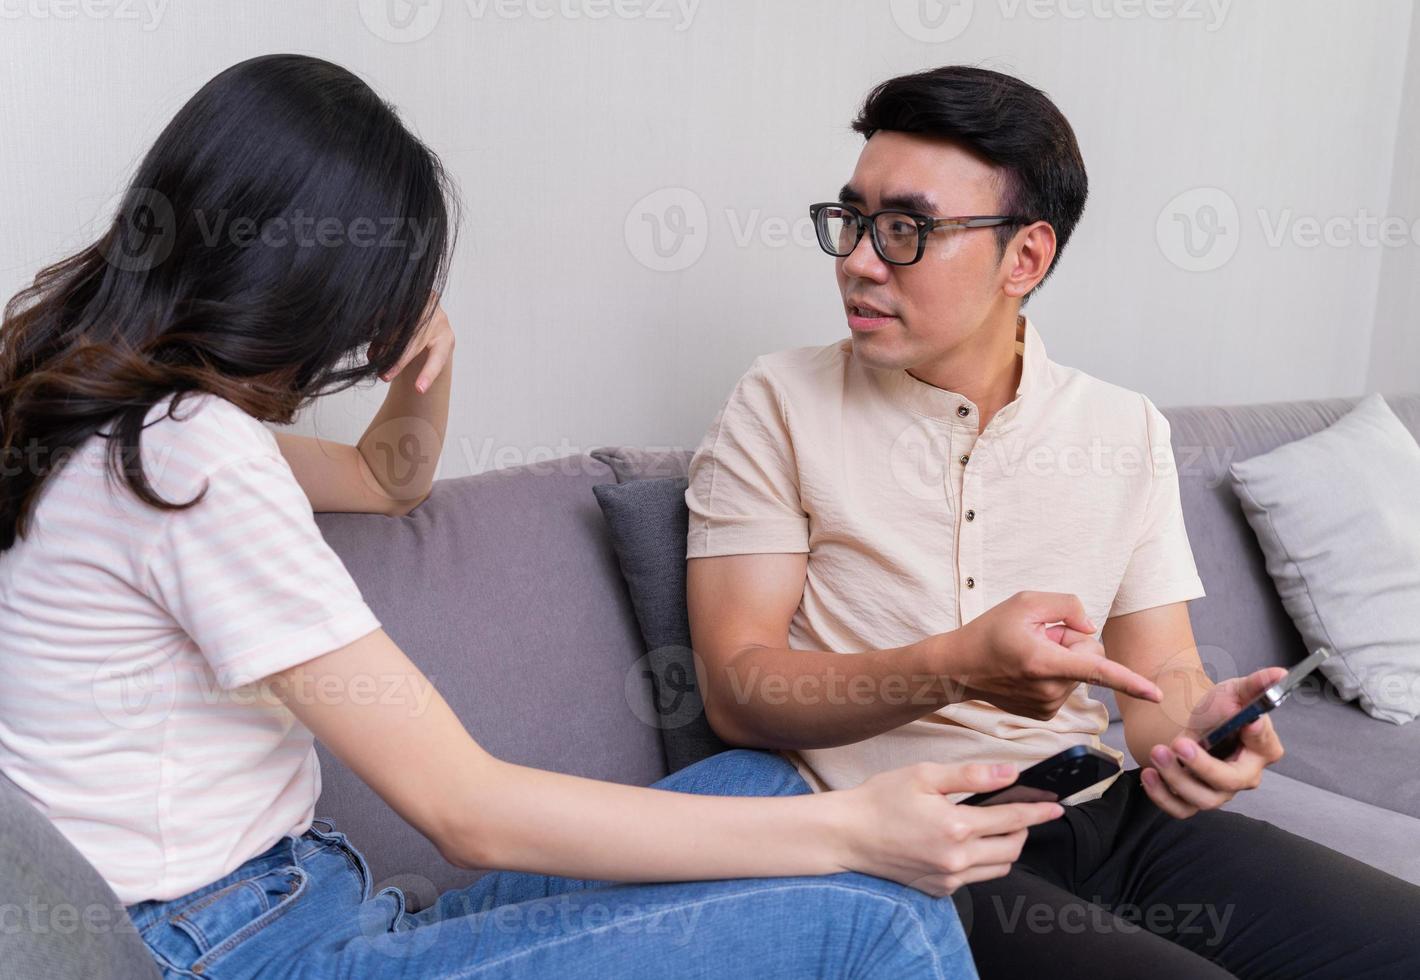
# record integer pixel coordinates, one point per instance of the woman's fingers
(942, 885)
(411, 352)
(983, 857)
(436, 337)
(434, 364)
(980, 859)
(416, 345)
(999, 849)
(984, 872)
(1007, 818)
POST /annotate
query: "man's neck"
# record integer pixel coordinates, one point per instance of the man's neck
(984, 368)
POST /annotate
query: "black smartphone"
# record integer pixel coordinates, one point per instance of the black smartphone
(1222, 741)
(1059, 777)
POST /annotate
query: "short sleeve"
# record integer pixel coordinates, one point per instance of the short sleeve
(1161, 568)
(246, 573)
(743, 493)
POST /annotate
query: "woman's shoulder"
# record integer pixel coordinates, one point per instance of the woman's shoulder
(195, 434)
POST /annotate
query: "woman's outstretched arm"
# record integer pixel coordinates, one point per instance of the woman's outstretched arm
(383, 718)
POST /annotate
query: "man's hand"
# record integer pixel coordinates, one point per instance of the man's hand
(1184, 779)
(1029, 653)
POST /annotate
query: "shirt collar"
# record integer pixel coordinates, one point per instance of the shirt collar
(946, 406)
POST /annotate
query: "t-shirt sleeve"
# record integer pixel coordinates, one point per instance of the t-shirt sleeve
(743, 492)
(1161, 568)
(247, 575)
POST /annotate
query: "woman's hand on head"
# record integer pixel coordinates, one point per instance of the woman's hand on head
(436, 339)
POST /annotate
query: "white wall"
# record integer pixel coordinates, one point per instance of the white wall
(1270, 113)
(1395, 346)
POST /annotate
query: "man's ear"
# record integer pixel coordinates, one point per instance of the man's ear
(1029, 257)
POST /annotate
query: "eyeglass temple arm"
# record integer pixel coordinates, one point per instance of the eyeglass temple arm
(979, 221)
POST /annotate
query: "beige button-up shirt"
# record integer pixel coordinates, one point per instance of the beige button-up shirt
(915, 524)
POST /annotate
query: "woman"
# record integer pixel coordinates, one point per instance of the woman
(177, 631)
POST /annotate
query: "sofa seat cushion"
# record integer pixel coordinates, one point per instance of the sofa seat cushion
(1339, 747)
(1373, 834)
(1370, 834)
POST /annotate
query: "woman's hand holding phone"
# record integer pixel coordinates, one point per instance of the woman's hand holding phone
(902, 827)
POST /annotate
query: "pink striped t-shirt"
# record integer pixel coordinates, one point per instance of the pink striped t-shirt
(133, 639)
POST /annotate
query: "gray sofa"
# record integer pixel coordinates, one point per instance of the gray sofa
(503, 587)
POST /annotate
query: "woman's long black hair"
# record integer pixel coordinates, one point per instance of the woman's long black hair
(284, 221)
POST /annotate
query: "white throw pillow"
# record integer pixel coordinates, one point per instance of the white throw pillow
(1338, 517)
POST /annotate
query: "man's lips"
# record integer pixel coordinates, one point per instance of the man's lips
(862, 316)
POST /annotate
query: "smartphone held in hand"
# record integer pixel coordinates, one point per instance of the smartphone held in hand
(1057, 778)
(1222, 741)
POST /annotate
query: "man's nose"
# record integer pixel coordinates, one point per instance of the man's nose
(864, 263)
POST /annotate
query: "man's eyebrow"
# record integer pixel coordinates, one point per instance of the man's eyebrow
(906, 201)
(910, 201)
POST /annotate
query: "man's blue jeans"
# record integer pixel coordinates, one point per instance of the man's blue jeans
(304, 908)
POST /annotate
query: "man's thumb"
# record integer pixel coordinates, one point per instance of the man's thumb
(1064, 607)
(1258, 681)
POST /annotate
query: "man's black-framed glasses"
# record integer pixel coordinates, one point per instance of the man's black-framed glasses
(899, 237)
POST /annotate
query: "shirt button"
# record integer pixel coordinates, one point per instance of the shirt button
(970, 582)
(963, 411)
(971, 515)
(964, 458)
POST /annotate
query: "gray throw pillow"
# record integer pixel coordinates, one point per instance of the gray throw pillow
(648, 522)
(1338, 517)
(638, 463)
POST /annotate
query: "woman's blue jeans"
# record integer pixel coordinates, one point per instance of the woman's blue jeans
(304, 908)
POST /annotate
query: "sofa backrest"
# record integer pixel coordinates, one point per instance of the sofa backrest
(1240, 625)
(504, 590)
(58, 918)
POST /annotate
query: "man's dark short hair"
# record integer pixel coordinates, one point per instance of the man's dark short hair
(1006, 122)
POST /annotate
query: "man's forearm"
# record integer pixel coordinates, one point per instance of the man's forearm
(803, 699)
(1147, 725)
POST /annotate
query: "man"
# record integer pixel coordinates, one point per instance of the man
(901, 545)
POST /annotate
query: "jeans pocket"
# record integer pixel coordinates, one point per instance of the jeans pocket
(338, 840)
(197, 936)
